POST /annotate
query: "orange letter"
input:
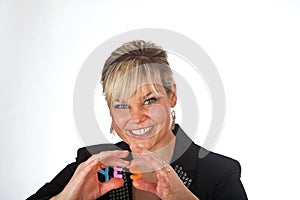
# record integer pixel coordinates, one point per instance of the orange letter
(136, 174)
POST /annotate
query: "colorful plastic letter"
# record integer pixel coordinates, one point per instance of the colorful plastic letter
(136, 174)
(116, 170)
(105, 173)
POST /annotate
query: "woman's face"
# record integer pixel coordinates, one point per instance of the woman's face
(145, 118)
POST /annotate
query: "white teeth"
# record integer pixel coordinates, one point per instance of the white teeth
(141, 131)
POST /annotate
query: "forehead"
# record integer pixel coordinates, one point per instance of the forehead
(126, 80)
(141, 92)
(148, 89)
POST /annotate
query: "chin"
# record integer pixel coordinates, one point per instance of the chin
(142, 143)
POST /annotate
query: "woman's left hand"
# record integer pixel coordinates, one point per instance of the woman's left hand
(168, 185)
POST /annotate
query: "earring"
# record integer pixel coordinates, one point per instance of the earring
(111, 129)
(173, 114)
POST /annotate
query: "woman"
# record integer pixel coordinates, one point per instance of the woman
(156, 159)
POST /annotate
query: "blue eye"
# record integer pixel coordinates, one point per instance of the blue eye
(121, 106)
(150, 100)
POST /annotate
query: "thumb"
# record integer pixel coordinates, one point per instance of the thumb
(142, 184)
(113, 183)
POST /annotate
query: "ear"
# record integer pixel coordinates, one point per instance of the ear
(173, 96)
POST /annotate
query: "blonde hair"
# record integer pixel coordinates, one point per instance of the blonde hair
(135, 64)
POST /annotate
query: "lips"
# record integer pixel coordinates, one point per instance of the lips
(141, 132)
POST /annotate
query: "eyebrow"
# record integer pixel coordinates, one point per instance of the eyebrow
(147, 95)
(144, 97)
(117, 101)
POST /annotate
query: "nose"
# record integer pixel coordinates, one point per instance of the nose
(138, 115)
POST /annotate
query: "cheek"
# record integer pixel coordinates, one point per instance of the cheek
(159, 113)
(120, 118)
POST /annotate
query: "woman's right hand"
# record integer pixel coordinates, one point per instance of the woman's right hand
(84, 184)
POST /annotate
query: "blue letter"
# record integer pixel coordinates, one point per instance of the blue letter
(105, 173)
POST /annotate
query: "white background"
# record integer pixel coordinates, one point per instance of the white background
(254, 44)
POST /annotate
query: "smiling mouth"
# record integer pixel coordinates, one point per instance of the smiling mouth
(142, 132)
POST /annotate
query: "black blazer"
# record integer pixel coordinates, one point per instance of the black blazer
(214, 177)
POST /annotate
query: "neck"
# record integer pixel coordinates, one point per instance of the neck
(166, 149)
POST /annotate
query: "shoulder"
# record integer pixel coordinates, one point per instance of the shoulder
(216, 174)
(214, 165)
(217, 163)
(207, 166)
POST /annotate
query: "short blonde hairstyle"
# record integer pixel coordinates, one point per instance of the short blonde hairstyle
(135, 64)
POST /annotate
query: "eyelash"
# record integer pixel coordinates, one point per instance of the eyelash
(150, 100)
(121, 106)
(146, 102)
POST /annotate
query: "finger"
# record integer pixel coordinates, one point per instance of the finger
(93, 160)
(113, 183)
(91, 165)
(146, 161)
(96, 165)
(163, 186)
(90, 160)
(113, 158)
(112, 154)
(120, 154)
(87, 170)
(163, 179)
(141, 184)
(117, 162)
(153, 160)
(137, 162)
